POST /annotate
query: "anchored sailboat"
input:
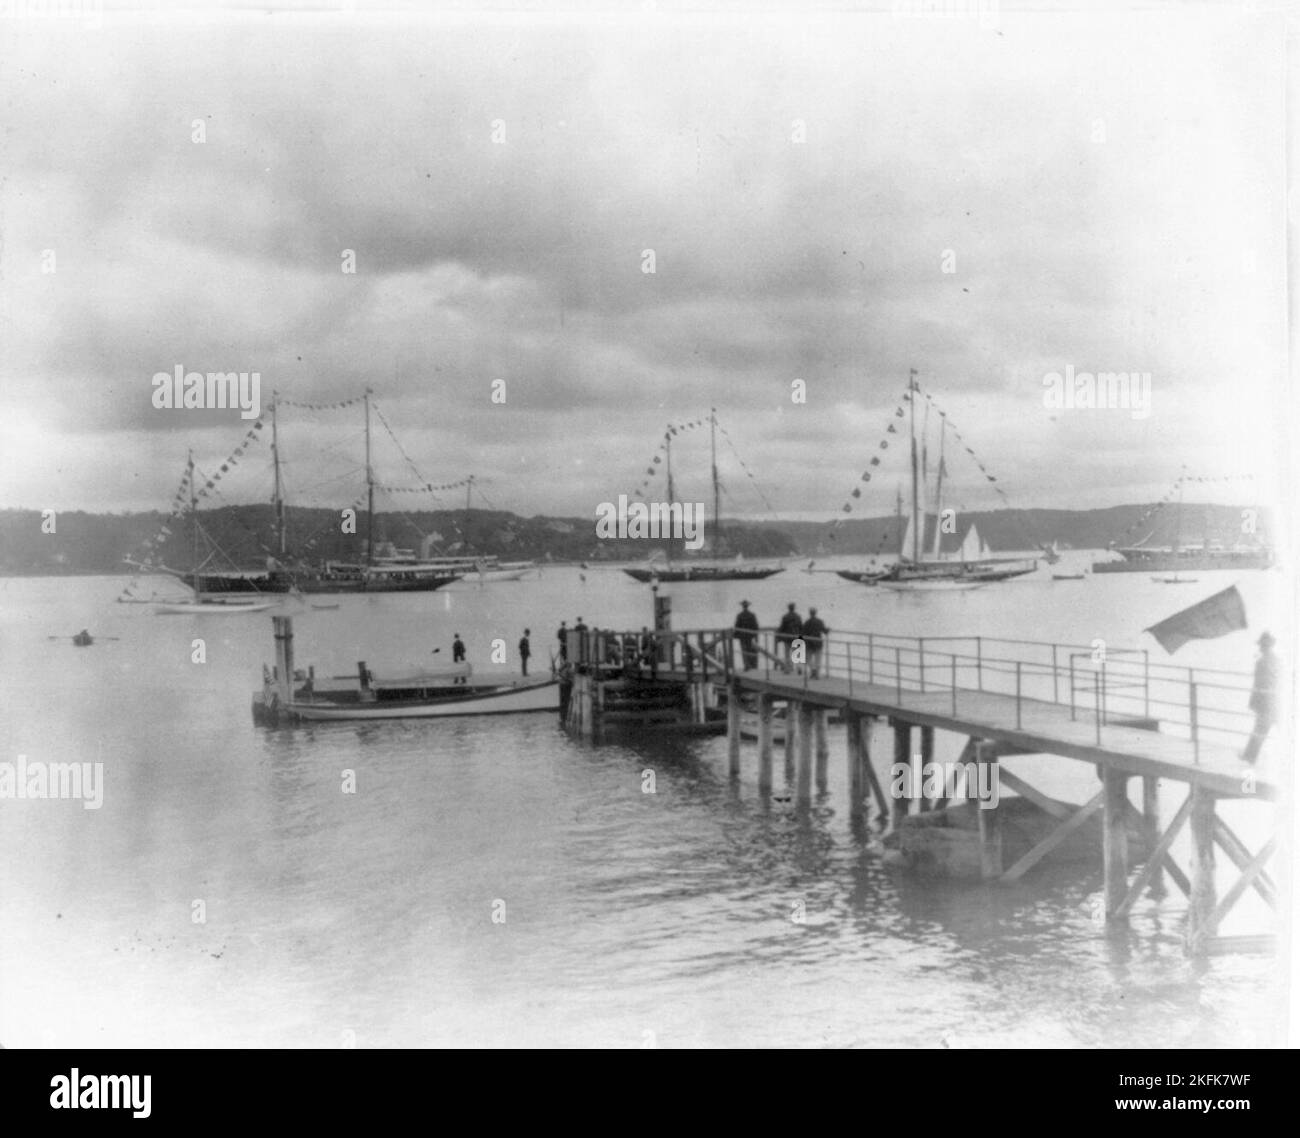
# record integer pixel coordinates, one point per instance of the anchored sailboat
(1177, 558)
(197, 603)
(926, 562)
(703, 571)
(284, 574)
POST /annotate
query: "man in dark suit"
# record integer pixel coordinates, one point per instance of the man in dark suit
(747, 634)
(787, 632)
(814, 636)
(1263, 697)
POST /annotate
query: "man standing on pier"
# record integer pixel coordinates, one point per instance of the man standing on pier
(787, 632)
(814, 633)
(457, 650)
(747, 633)
(563, 637)
(525, 650)
(1263, 697)
(581, 629)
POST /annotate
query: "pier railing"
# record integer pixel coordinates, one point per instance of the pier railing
(1099, 683)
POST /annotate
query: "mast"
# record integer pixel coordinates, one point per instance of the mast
(717, 507)
(469, 490)
(1178, 518)
(279, 496)
(370, 490)
(916, 535)
(194, 520)
(938, 492)
(668, 466)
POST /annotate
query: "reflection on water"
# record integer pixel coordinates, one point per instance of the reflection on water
(698, 914)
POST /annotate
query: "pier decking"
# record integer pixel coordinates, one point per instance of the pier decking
(1113, 708)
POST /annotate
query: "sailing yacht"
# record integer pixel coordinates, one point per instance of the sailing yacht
(715, 570)
(198, 603)
(284, 575)
(1177, 558)
(925, 561)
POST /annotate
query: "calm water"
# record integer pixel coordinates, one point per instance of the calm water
(630, 918)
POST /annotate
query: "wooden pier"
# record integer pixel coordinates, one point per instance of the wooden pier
(1116, 709)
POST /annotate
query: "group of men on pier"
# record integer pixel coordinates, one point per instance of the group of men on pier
(791, 633)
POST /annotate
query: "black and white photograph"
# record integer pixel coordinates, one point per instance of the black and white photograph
(647, 527)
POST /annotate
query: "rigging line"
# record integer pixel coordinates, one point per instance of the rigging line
(758, 489)
(217, 492)
(212, 541)
(397, 443)
(1019, 521)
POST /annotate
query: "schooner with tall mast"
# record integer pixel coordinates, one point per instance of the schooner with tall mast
(283, 574)
(702, 571)
(921, 562)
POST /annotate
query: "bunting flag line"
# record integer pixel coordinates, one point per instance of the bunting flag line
(427, 488)
(855, 494)
(180, 500)
(320, 406)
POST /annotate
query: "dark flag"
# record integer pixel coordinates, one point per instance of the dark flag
(1213, 617)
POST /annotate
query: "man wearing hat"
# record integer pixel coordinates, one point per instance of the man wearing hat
(1263, 696)
(814, 636)
(787, 632)
(747, 633)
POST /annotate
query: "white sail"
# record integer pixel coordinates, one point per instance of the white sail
(905, 552)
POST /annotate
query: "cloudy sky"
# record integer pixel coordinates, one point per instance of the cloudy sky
(1110, 189)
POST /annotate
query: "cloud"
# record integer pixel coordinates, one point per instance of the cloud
(1104, 187)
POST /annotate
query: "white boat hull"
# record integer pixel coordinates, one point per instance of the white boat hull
(500, 575)
(937, 586)
(212, 608)
(520, 696)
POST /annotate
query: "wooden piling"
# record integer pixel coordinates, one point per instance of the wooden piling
(765, 744)
(990, 821)
(791, 734)
(733, 731)
(902, 757)
(873, 780)
(1151, 827)
(1203, 901)
(927, 757)
(1115, 839)
(823, 749)
(854, 748)
(803, 792)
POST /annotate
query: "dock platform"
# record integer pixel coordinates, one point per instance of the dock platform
(1114, 708)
